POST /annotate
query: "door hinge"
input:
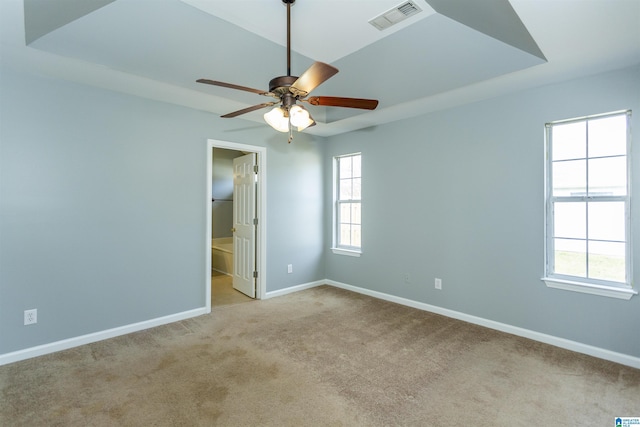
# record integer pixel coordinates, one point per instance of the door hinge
(255, 168)
(255, 274)
(255, 221)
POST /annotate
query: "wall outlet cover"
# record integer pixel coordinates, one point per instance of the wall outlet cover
(31, 316)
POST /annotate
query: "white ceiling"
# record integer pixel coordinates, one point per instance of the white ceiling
(434, 60)
(325, 30)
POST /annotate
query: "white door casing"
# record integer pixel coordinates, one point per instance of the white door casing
(244, 228)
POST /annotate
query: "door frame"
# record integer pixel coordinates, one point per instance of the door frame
(261, 210)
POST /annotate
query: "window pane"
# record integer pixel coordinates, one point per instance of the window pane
(356, 189)
(570, 220)
(568, 141)
(608, 176)
(357, 170)
(345, 235)
(608, 136)
(570, 257)
(606, 261)
(345, 167)
(345, 212)
(345, 189)
(355, 235)
(355, 213)
(570, 178)
(606, 221)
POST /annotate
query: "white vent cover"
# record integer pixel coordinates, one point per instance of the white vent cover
(395, 15)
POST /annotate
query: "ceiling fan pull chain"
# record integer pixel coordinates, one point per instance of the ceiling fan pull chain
(290, 134)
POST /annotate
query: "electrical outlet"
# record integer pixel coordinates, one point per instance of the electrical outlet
(438, 283)
(407, 278)
(31, 316)
(290, 268)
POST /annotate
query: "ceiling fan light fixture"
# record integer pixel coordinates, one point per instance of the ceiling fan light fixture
(300, 118)
(277, 119)
(306, 125)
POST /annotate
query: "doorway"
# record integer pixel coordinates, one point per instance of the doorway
(230, 150)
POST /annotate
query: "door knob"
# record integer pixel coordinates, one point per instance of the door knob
(233, 230)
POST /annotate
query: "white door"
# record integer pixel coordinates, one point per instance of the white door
(244, 228)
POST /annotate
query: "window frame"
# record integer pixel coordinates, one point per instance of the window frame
(623, 290)
(337, 248)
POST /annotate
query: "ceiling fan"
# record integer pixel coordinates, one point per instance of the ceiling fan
(288, 90)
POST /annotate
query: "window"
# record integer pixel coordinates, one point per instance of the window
(587, 205)
(347, 195)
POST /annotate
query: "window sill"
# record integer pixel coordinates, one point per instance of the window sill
(589, 288)
(347, 252)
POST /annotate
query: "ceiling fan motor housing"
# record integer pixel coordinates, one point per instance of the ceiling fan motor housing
(280, 85)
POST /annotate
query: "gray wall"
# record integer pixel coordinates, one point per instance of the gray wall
(103, 208)
(459, 195)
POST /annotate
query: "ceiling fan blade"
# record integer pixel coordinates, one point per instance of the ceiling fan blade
(232, 86)
(248, 110)
(318, 73)
(335, 101)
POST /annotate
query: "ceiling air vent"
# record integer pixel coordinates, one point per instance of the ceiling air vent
(395, 15)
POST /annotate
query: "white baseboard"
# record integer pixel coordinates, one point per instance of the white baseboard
(53, 347)
(623, 359)
(598, 352)
(221, 272)
(97, 336)
(292, 289)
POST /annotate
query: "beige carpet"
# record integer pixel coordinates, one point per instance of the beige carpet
(321, 357)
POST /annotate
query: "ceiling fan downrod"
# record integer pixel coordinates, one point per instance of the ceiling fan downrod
(288, 3)
(280, 85)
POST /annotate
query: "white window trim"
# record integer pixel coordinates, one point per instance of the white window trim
(588, 286)
(340, 251)
(348, 251)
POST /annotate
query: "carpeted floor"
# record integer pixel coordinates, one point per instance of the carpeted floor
(320, 357)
